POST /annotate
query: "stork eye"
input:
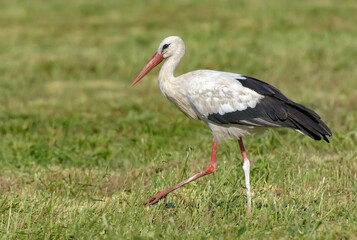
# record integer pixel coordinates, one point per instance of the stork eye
(165, 46)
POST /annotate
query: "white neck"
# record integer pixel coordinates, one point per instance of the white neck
(167, 70)
(167, 81)
(171, 87)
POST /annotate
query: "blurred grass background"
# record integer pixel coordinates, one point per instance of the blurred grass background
(80, 150)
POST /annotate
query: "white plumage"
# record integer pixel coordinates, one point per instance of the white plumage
(210, 92)
(218, 92)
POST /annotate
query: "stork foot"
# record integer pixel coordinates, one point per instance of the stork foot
(156, 198)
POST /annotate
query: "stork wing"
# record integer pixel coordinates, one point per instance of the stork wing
(224, 100)
(248, 101)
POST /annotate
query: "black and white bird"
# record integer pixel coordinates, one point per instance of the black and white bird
(232, 105)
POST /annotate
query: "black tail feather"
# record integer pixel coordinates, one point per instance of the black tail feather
(286, 113)
(308, 122)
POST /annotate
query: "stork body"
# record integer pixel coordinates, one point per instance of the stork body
(232, 105)
(203, 94)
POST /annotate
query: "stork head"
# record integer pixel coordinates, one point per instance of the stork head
(170, 47)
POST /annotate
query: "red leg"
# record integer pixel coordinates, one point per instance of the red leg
(246, 169)
(208, 170)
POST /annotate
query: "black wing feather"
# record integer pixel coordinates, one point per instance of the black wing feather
(274, 110)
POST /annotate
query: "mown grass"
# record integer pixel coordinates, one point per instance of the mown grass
(81, 151)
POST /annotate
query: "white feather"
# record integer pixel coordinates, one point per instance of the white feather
(300, 131)
(218, 92)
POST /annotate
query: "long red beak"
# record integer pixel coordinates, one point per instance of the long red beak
(155, 60)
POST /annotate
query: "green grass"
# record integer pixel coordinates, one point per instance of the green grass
(80, 151)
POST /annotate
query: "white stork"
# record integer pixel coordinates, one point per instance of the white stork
(232, 105)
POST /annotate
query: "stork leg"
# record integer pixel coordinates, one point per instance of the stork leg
(210, 169)
(246, 169)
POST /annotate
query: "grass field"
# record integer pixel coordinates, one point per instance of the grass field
(80, 151)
